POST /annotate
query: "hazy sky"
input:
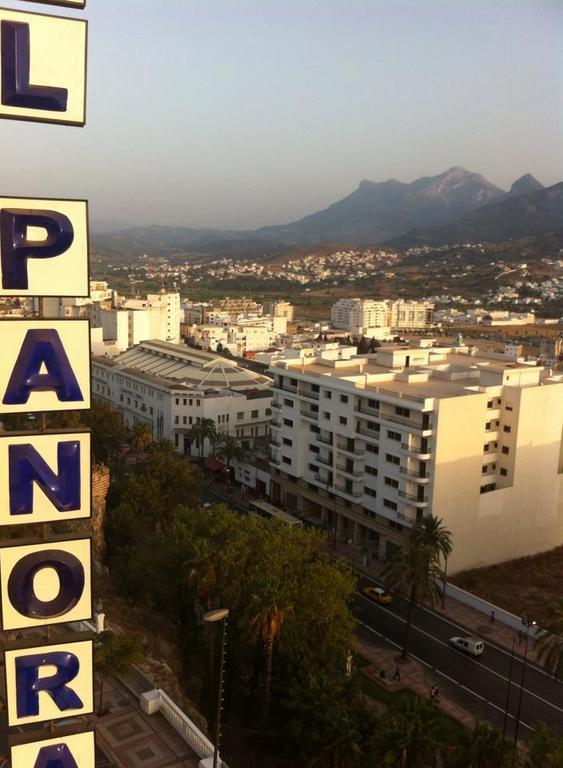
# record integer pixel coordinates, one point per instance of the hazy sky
(240, 113)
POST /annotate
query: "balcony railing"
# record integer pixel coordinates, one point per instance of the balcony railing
(323, 439)
(354, 493)
(313, 415)
(413, 499)
(325, 461)
(308, 393)
(352, 472)
(366, 409)
(276, 423)
(356, 451)
(371, 433)
(275, 404)
(415, 474)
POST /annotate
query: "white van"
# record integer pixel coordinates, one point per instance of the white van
(469, 645)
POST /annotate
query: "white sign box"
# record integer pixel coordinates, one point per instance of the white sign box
(81, 747)
(42, 68)
(49, 682)
(45, 477)
(43, 247)
(47, 583)
(45, 365)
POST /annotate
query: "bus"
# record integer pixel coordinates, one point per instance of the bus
(269, 512)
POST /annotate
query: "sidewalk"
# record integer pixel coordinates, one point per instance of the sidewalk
(415, 677)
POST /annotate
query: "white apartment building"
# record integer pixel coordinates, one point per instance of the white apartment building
(170, 386)
(362, 316)
(163, 312)
(282, 309)
(249, 334)
(368, 445)
(358, 315)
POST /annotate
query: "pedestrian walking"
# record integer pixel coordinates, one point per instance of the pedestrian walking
(492, 617)
(397, 674)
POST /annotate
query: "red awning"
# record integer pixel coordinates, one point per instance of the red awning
(213, 463)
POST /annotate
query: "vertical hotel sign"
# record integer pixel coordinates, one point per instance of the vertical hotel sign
(45, 476)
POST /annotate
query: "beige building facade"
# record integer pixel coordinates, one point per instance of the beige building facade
(365, 446)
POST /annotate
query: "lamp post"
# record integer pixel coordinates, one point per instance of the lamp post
(508, 685)
(221, 614)
(521, 693)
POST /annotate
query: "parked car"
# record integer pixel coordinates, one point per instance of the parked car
(378, 595)
(470, 645)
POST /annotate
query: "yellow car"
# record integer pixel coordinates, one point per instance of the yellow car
(378, 595)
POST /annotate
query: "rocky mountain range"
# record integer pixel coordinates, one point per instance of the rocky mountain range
(457, 205)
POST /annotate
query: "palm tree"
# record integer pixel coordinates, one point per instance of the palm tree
(414, 573)
(549, 643)
(432, 532)
(409, 734)
(115, 655)
(228, 449)
(142, 436)
(483, 747)
(202, 430)
(267, 620)
(544, 748)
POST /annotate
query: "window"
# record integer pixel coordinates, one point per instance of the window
(504, 472)
(293, 382)
(185, 420)
(287, 441)
(372, 448)
(488, 426)
(490, 404)
(373, 426)
(191, 402)
(315, 388)
(505, 450)
(371, 471)
(392, 459)
(254, 414)
(328, 394)
(314, 449)
(506, 429)
(343, 420)
(313, 468)
(486, 447)
(326, 415)
(286, 460)
(288, 403)
(484, 469)
(288, 422)
(488, 488)
(177, 401)
(508, 407)
(392, 483)
(370, 492)
(400, 411)
(240, 415)
(314, 429)
(268, 411)
(373, 404)
(176, 419)
(389, 504)
(394, 435)
(344, 399)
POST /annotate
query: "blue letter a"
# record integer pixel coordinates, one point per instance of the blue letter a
(42, 347)
(26, 467)
(57, 756)
(17, 91)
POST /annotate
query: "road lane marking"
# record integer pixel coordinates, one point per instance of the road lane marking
(444, 675)
(469, 658)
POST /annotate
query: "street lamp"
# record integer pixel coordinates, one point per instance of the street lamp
(528, 624)
(212, 617)
(508, 687)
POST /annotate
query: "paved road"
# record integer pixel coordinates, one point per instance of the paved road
(478, 685)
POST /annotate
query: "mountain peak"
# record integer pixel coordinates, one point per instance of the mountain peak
(523, 185)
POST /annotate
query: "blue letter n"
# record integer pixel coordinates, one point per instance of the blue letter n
(57, 756)
(42, 348)
(27, 467)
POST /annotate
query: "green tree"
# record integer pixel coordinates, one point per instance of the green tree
(431, 532)
(409, 734)
(142, 437)
(115, 655)
(413, 572)
(544, 748)
(108, 432)
(482, 747)
(228, 449)
(549, 643)
(203, 430)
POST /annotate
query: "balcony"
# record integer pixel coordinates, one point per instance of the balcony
(414, 474)
(275, 441)
(310, 415)
(308, 394)
(372, 434)
(328, 462)
(323, 439)
(407, 421)
(413, 499)
(276, 423)
(286, 388)
(357, 451)
(367, 410)
(350, 472)
(275, 460)
(275, 404)
(416, 452)
(351, 493)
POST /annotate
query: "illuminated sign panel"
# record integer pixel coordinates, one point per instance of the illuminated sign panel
(49, 682)
(42, 68)
(44, 477)
(77, 751)
(43, 247)
(45, 365)
(45, 584)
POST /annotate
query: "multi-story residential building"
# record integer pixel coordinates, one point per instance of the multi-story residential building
(163, 313)
(368, 445)
(360, 316)
(240, 306)
(282, 309)
(170, 387)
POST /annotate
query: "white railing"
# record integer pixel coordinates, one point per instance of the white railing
(198, 741)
